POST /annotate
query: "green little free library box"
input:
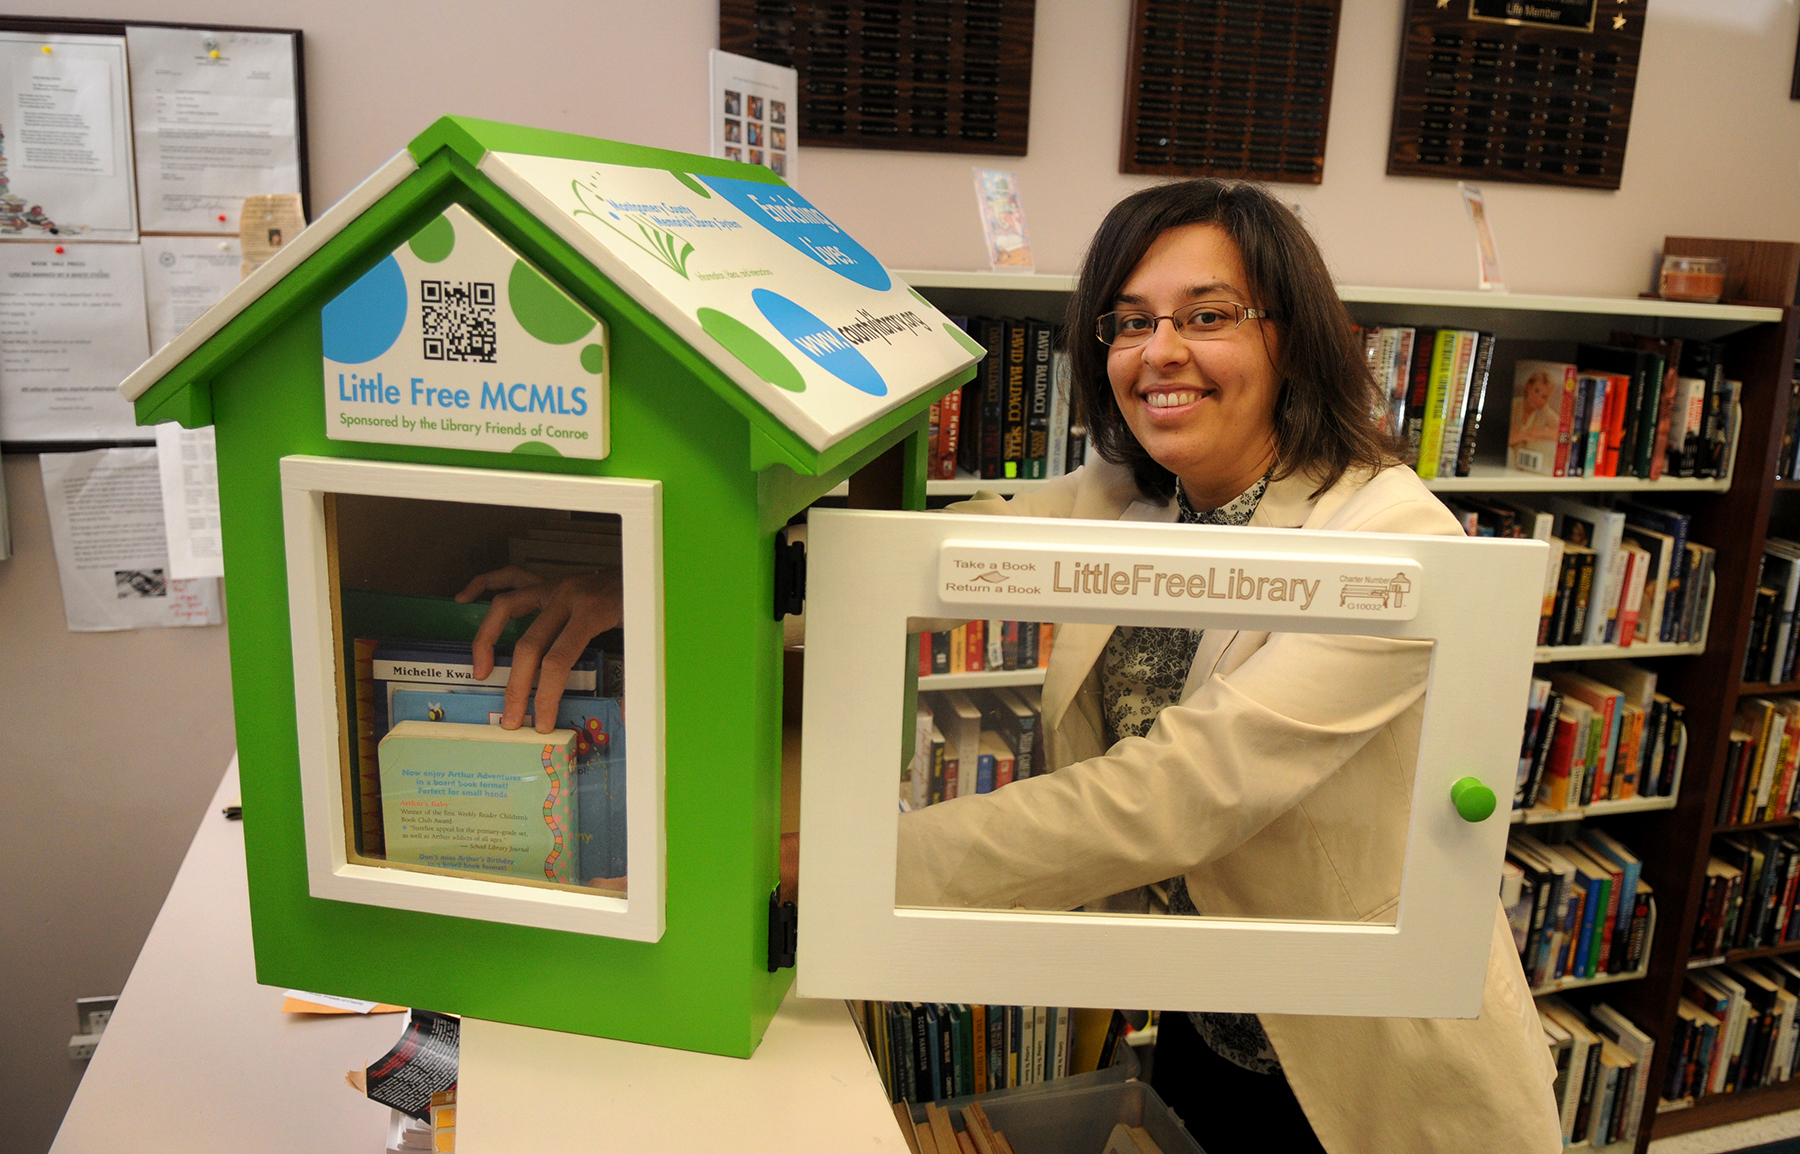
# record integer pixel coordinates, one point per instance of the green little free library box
(518, 347)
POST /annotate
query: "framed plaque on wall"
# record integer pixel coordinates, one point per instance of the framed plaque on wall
(1531, 91)
(1237, 88)
(917, 75)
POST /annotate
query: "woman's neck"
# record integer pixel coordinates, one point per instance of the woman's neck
(1207, 489)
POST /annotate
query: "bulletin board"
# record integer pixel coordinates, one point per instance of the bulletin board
(126, 151)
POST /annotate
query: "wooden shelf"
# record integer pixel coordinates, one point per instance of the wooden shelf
(1540, 815)
(1764, 688)
(1718, 1109)
(1744, 955)
(1381, 295)
(1553, 653)
(985, 679)
(1755, 825)
(1481, 479)
(1562, 984)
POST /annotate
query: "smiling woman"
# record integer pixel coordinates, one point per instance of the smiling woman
(1234, 772)
(1282, 386)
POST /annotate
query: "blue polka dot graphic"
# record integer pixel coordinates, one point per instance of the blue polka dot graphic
(819, 341)
(787, 214)
(365, 320)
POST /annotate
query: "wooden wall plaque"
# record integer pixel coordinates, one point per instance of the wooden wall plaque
(1530, 91)
(1235, 88)
(918, 75)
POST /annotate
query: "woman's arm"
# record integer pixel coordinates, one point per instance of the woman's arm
(1211, 773)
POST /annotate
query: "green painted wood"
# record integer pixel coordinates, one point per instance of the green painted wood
(731, 475)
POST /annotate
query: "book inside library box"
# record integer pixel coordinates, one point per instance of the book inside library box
(431, 780)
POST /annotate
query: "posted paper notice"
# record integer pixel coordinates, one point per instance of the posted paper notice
(106, 525)
(755, 112)
(72, 326)
(189, 471)
(183, 277)
(215, 120)
(65, 144)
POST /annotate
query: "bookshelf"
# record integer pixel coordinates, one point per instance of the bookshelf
(1733, 515)
(985, 679)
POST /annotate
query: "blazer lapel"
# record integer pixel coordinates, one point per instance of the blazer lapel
(1285, 505)
(1079, 645)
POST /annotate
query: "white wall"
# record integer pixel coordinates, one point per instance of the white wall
(1714, 150)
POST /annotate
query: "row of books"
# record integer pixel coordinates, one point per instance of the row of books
(1015, 420)
(1787, 466)
(1774, 646)
(1761, 783)
(1602, 1071)
(410, 679)
(1598, 733)
(1751, 893)
(1734, 1030)
(986, 646)
(970, 742)
(1583, 908)
(1615, 576)
(1641, 407)
(1434, 383)
(935, 1051)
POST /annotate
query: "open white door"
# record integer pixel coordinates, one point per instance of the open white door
(874, 576)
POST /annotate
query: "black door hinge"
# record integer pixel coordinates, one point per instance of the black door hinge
(790, 577)
(784, 931)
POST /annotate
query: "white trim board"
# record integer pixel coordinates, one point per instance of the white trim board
(330, 874)
(869, 573)
(286, 259)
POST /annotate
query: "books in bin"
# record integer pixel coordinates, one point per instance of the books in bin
(935, 1051)
(480, 799)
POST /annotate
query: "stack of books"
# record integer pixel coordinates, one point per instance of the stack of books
(1015, 420)
(973, 742)
(1602, 1071)
(1751, 894)
(1583, 910)
(986, 646)
(1615, 576)
(935, 1051)
(1640, 407)
(1434, 384)
(1600, 732)
(1760, 778)
(1734, 1030)
(1771, 654)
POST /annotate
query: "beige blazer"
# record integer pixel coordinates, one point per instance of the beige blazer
(1215, 791)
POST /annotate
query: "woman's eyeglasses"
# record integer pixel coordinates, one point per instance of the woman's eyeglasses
(1203, 321)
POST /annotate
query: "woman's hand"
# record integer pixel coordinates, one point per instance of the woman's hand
(571, 613)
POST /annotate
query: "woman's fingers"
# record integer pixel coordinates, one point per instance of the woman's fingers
(511, 577)
(528, 653)
(501, 612)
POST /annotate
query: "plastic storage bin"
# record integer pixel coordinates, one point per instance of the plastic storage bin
(1052, 1119)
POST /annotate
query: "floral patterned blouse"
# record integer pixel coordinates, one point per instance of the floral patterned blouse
(1143, 672)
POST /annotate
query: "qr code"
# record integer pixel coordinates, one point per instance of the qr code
(458, 318)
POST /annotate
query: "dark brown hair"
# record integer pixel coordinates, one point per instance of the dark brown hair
(1326, 410)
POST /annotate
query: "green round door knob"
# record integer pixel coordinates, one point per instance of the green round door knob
(1473, 800)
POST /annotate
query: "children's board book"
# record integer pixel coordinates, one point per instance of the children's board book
(480, 799)
(599, 761)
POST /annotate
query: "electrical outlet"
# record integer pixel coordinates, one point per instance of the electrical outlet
(81, 1046)
(93, 1014)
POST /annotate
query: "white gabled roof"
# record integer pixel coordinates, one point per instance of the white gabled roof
(311, 239)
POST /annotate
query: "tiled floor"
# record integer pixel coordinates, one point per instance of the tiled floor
(1736, 1136)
